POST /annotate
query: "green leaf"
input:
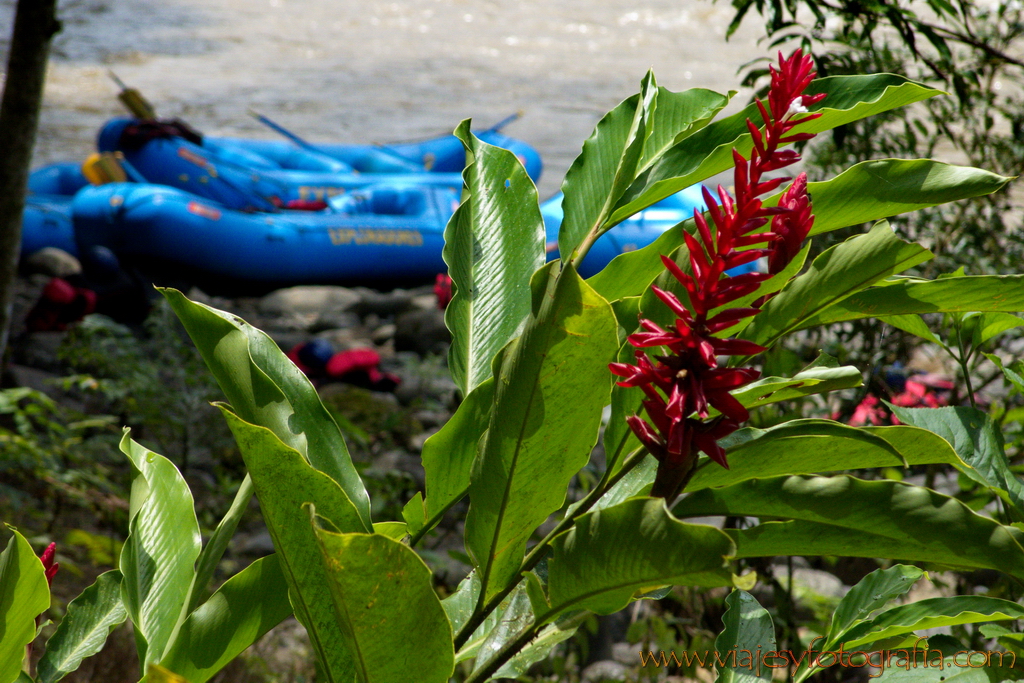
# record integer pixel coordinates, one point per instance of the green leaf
(617, 553)
(448, 454)
(512, 618)
(984, 326)
(853, 518)
(158, 559)
(749, 629)
(678, 116)
(912, 296)
(975, 438)
(248, 605)
(915, 325)
(545, 421)
(814, 446)
(265, 388)
(709, 151)
(931, 613)
(872, 592)
(1014, 372)
(284, 481)
(817, 380)
(214, 549)
(396, 531)
(383, 598)
(493, 244)
(872, 190)
(605, 167)
(540, 647)
(24, 595)
(851, 198)
(836, 274)
(84, 629)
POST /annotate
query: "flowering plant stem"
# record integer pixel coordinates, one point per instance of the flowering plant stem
(538, 551)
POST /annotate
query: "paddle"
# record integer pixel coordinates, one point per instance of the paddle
(310, 146)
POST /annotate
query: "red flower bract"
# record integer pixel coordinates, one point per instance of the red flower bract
(683, 386)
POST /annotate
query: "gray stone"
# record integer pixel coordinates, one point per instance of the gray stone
(425, 302)
(626, 654)
(383, 333)
(311, 299)
(605, 670)
(334, 320)
(382, 303)
(53, 262)
(422, 331)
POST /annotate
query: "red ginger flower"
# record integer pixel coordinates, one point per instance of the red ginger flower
(49, 566)
(689, 380)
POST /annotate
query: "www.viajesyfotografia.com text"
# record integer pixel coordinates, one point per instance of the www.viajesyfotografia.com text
(757, 660)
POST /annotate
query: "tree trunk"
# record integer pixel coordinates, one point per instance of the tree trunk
(35, 24)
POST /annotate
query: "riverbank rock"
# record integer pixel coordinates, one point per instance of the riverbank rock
(309, 300)
(53, 262)
(422, 331)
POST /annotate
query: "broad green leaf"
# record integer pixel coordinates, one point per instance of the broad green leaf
(978, 442)
(881, 188)
(849, 517)
(871, 593)
(396, 531)
(493, 244)
(158, 559)
(798, 447)
(912, 296)
(748, 628)
(448, 455)
(544, 423)
(158, 674)
(513, 617)
(84, 629)
(915, 325)
(284, 481)
(931, 613)
(819, 380)
(709, 151)
(811, 446)
(928, 183)
(459, 608)
(678, 116)
(214, 549)
(981, 327)
(540, 647)
(384, 602)
(24, 595)
(606, 167)
(617, 553)
(1014, 372)
(266, 389)
(836, 274)
(248, 605)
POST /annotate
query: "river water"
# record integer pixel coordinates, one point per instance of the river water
(380, 70)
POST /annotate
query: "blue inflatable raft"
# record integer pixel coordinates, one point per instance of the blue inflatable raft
(385, 233)
(46, 221)
(251, 175)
